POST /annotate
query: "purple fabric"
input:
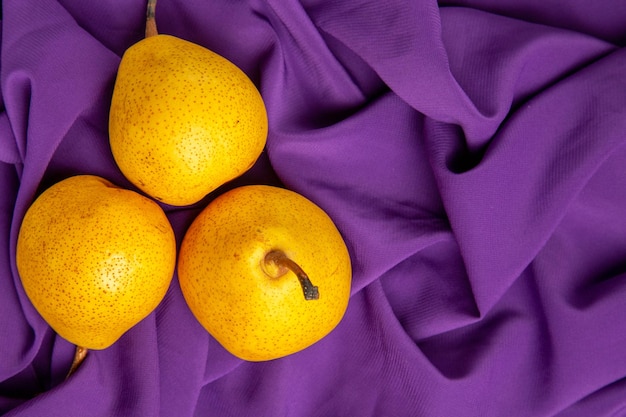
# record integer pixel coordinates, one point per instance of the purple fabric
(472, 153)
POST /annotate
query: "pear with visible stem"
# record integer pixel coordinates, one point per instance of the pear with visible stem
(94, 259)
(183, 119)
(265, 271)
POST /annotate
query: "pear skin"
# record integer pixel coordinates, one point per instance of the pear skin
(265, 271)
(183, 119)
(94, 259)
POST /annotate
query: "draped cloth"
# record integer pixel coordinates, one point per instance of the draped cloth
(471, 152)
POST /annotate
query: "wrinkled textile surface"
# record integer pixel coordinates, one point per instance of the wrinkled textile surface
(471, 152)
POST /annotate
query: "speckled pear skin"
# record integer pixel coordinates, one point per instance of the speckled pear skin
(221, 272)
(183, 119)
(94, 259)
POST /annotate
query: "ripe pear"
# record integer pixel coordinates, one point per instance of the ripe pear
(183, 119)
(94, 259)
(265, 271)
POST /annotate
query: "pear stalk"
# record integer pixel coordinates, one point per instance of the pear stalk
(79, 356)
(151, 27)
(284, 264)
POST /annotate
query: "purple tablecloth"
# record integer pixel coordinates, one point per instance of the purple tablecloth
(471, 152)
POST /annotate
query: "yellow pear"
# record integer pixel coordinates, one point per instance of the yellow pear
(183, 119)
(265, 271)
(94, 259)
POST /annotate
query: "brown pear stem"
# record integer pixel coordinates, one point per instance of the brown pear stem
(151, 27)
(278, 258)
(79, 356)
